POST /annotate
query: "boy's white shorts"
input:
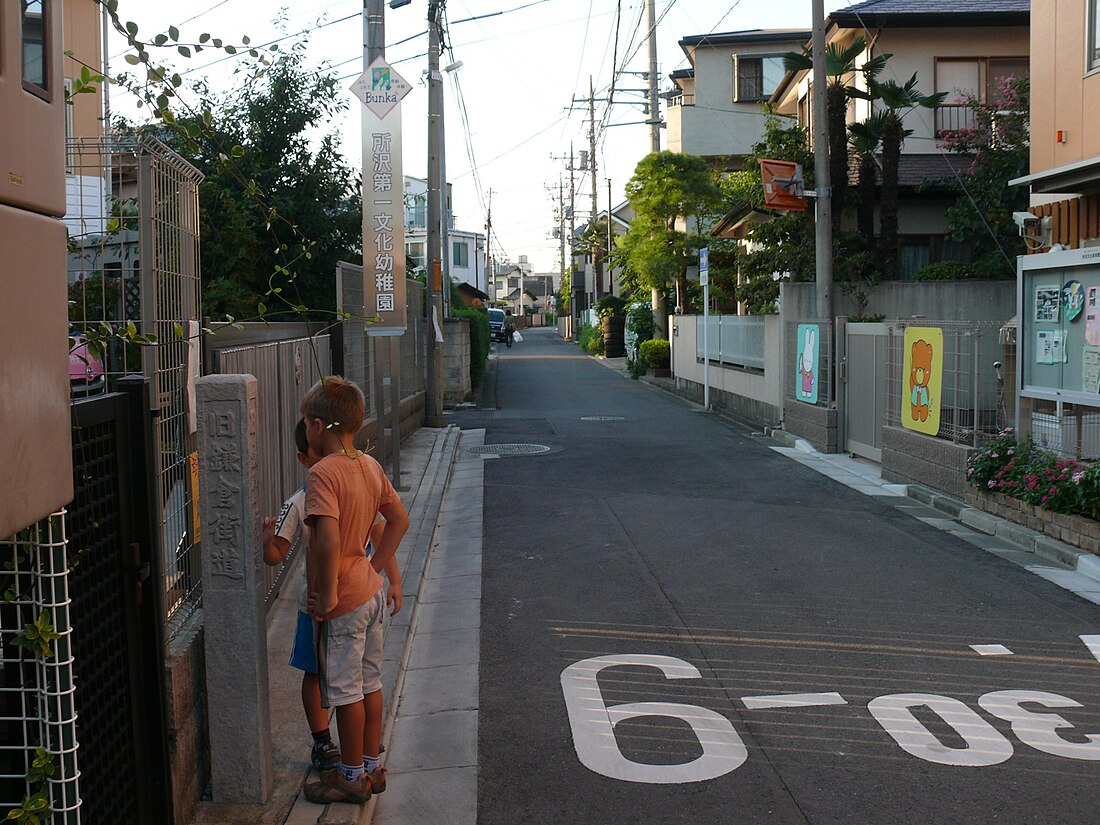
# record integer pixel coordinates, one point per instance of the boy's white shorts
(349, 653)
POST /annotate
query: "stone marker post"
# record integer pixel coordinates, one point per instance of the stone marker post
(233, 595)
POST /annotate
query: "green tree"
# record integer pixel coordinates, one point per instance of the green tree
(999, 145)
(278, 123)
(593, 241)
(666, 187)
(897, 100)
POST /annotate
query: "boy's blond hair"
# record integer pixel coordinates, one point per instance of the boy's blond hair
(338, 402)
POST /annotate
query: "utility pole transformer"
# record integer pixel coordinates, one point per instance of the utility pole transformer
(433, 388)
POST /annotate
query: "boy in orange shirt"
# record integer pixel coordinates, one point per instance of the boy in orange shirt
(345, 491)
(279, 536)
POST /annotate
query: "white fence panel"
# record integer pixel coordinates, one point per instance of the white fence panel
(737, 340)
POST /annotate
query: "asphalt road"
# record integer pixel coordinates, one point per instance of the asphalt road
(653, 576)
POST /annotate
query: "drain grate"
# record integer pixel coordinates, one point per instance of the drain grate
(603, 418)
(508, 449)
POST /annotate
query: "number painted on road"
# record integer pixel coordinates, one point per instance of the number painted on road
(984, 745)
(1040, 730)
(593, 725)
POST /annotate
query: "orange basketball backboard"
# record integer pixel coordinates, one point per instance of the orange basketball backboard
(782, 185)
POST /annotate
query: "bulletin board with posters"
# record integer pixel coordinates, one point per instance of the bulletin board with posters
(1058, 326)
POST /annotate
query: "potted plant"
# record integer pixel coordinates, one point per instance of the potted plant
(612, 313)
(656, 354)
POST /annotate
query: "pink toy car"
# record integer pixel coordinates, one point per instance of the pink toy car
(86, 373)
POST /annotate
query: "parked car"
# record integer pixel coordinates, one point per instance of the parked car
(497, 327)
(86, 373)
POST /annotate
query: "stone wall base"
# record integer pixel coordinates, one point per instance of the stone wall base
(188, 746)
(815, 424)
(914, 458)
(757, 413)
(1076, 531)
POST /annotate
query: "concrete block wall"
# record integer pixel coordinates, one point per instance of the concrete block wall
(457, 386)
(815, 424)
(913, 458)
(188, 748)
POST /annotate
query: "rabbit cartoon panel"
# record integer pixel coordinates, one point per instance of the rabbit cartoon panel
(806, 370)
(922, 379)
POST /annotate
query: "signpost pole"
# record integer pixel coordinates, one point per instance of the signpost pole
(704, 280)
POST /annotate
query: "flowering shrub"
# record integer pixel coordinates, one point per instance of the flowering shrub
(1035, 476)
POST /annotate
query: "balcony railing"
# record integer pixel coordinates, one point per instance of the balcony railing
(682, 100)
(953, 117)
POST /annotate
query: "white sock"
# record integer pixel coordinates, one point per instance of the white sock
(351, 773)
(370, 763)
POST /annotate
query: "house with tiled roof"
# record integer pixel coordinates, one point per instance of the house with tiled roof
(713, 109)
(960, 47)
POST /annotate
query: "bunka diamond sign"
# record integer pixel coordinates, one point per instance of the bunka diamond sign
(380, 88)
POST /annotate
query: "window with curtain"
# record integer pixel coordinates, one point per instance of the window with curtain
(460, 254)
(756, 78)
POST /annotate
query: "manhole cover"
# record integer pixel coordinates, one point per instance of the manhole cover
(603, 418)
(508, 449)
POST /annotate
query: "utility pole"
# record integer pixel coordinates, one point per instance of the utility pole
(574, 310)
(654, 111)
(597, 263)
(489, 275)
(823, 201)
(561, 227)
(433, 379)
(610, 206)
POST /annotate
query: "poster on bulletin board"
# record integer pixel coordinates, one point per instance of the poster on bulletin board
(1059, 338)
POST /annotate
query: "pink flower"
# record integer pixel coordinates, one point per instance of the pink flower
(1078, 477)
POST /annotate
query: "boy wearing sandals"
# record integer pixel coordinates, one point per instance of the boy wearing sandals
(345, 491)
(279, 536)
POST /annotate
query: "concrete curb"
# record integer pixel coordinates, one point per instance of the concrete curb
(1021, 537)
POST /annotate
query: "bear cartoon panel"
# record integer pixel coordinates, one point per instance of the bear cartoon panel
(922, 379)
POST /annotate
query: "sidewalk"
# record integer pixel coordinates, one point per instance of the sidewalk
(426, 458)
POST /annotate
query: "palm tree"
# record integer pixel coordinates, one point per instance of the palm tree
(865, 138)
(897, 101)
(839, 64)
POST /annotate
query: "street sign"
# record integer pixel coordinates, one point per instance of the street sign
(380, 88)
(704, 266)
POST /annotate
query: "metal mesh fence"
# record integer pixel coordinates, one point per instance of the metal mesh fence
(284, 371)
(796, 374)
(36, 692)
(1071, 431)
(133, 220)
(973, 403)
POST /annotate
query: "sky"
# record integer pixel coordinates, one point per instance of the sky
(522, 72)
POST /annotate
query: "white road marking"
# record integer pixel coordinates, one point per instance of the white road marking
(992, 650)
(1093, 644)
(793, 700)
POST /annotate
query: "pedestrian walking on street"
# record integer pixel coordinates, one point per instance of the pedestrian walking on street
(345, 491)
(279, 535)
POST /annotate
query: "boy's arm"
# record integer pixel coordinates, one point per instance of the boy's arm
(275, 547)
(324, 547)
(394, 596)
(397, 522)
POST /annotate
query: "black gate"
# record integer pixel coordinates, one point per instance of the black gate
(117, 631)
